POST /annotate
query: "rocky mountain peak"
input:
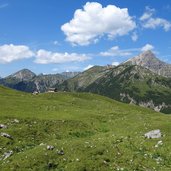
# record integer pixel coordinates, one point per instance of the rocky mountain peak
(145, 59)
(24, 74)
(148, 60)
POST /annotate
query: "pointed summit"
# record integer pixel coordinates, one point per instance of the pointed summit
(24, 74)
(148, 60)
(144, 59)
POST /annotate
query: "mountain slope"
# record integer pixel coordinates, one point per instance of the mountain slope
(86, 131)
(130, 84)
(70, 74)
(82, 80)
(137, 85)
(148, 60)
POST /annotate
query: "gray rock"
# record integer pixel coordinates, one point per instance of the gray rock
(50, 147)
(153, 134)
(61, 152)
(6, 155)
(3, 126)
(6, 135)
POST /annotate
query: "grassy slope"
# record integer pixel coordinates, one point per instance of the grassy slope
(96, 133)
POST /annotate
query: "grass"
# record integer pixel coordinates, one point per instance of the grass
(95, 133)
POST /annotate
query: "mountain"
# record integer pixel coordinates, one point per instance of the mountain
(82, 80)
(128, 83)
(23, 75)
(137, 85)
(70, 74)
(148, 60)
(26, 80)
(79, 132)
(44, 82)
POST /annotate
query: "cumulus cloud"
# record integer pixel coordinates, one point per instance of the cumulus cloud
(148, 21)
(9, 53)
(116, 51)
(147, 47)
(46, 57)
(88, 67)
(95, 21)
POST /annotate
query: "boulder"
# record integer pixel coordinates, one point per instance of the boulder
(153, 134)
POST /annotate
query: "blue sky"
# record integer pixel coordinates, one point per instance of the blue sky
(54, 36)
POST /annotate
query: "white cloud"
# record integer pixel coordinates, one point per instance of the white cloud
(95, 21)
(115, 51)
(134, 36)
(9, 53)
(88, 67)
(148, 21)
(147, 14)
(115, 63)
(147, 47)
(46, 57)
(157, 22)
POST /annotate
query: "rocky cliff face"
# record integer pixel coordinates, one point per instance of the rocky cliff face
(148, 60)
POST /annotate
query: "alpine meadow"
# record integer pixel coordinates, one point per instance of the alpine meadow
(85, 86)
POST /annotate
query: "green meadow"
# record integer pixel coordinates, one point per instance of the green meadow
(87, 131)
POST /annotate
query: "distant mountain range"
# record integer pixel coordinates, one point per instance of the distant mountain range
(26, 80)
(142, 80)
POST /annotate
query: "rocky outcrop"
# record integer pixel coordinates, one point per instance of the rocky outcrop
(147, 104)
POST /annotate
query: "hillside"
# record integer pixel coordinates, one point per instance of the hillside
(127, 82)
(84, 79)
(79, 131)
(137, 85)
(70, 74)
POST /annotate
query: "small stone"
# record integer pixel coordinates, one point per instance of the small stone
(153, 134)
(3, 126)
(61, 152)
(6, 135)
(159, 143)
(7, 154)
(50, 147)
